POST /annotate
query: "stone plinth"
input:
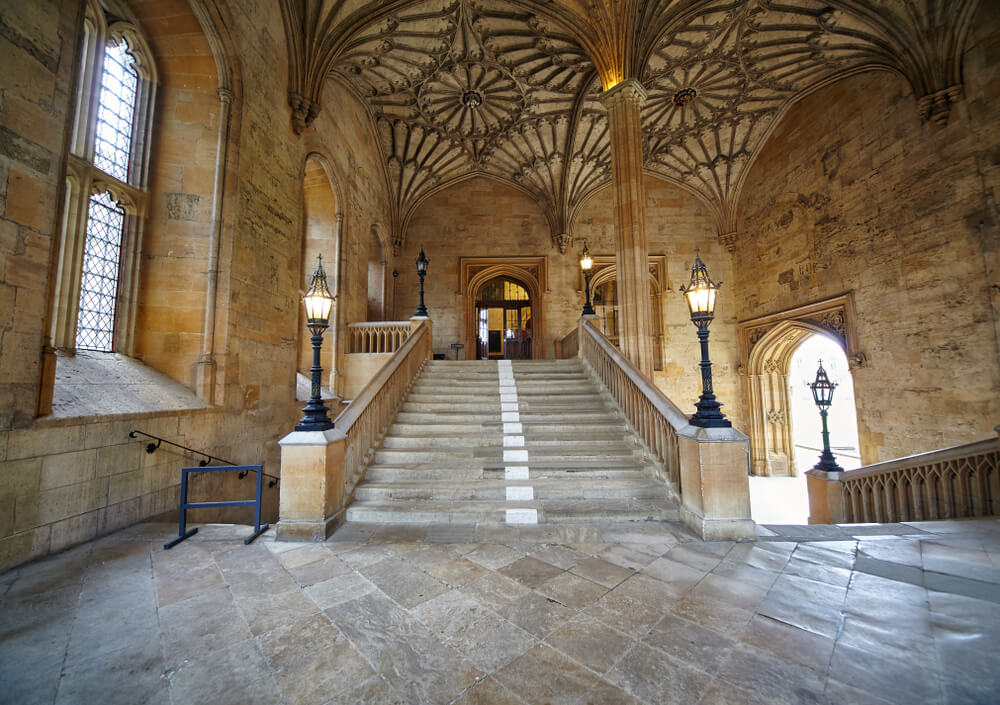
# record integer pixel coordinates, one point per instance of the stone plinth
(826, 499)
(311, 504)
(715, 492)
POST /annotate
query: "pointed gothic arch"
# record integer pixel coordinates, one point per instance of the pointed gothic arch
(490, 269)
(768, 345)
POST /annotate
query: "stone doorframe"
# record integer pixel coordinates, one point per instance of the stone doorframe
(767, 345)
(530, 272)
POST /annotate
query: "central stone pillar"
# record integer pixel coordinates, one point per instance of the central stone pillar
(623, 103)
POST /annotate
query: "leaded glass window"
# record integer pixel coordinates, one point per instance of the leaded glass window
(116, 112)
(99, 283)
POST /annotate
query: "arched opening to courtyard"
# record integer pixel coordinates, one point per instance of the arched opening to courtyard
(791, 439)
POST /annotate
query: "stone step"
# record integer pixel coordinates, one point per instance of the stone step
(495, 512)
(496, 489)
(448, 394)
(613, 428)
(494, 454)
(572, 442)
(581, 445)
(606, 416)
(625, 469)
(443, 459)
(524, 405)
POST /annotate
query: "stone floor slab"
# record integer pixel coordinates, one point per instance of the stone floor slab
(214, 621)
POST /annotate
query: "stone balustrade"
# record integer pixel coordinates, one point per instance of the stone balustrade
(320, 469)
(961, 481)
(706, 467)
(377, 336)
(568, 346)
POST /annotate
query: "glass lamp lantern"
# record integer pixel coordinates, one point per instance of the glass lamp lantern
(422, 263)
(822, 391)
(586, 265)
(318, 300)
(318, 304)
(700, 294)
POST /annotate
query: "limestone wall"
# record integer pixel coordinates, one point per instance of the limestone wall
(481, 218)
(853, 193)
(67, 480)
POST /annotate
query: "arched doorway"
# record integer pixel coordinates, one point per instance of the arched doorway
(604, 297)
(842, 419)
(504, 324)
(376, 276)
(785, 423)
(322, 220)
(528, 273)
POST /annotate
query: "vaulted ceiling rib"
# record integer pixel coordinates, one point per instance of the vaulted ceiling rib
(509, 88)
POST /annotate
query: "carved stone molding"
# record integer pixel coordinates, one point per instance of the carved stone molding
(304, 111)
(728, 240)
(834, 316)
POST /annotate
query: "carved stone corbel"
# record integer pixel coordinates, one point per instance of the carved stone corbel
(936, 106)
(728, 240)
(304, 111)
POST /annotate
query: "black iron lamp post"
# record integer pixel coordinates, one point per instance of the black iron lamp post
(422, 263)
(319, 303)
(586, 264)
(822, 390)
(700, 293)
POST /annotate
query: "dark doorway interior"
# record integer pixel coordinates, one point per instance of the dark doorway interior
(503, 321)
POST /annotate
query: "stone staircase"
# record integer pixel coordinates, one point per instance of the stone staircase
(502, 442)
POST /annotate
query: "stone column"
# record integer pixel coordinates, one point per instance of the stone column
(205, 377)
(623, 103)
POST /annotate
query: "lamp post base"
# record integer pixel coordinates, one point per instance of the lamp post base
(588, 308)
(709, 414)
(709, 410)
(315, 418)
(827, 462)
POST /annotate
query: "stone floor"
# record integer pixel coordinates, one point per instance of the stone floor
(631, 613)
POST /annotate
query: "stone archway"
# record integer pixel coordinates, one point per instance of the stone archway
(474, 282)
(606, 274)
(767, 346)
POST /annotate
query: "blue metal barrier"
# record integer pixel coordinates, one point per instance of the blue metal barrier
(183, 533)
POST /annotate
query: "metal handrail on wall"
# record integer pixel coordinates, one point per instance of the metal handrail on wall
(206, 458)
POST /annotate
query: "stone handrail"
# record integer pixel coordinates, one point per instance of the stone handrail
(706, 467)
(377, 336)
(655, 418)
(366, 418)
(956, 482)
(320, 469)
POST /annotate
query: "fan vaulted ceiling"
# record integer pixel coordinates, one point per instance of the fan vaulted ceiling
(510, 88)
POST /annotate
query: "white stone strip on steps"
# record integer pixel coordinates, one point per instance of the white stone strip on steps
(513, 444)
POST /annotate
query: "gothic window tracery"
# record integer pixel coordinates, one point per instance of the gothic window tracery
(94, 307)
